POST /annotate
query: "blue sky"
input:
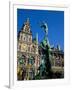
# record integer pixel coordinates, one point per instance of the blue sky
(54, 19)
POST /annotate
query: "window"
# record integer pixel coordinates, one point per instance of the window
(19, 47)
(28, 48)
(29, 39)
(21, 37)
(24, 38)
(33, 48)
(58, 62)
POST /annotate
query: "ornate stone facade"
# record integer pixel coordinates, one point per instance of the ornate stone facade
(57, 60)
(27, 53)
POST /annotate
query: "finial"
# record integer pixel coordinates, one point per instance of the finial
(58, 47)
(37, 38)
(27, 20)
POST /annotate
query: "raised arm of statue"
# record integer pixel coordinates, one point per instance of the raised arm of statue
(45, 27)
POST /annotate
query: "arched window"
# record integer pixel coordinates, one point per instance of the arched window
(28, 48)
(19, 47)
(58, 62)
(24, 39)
(21, 36)
(29, 39)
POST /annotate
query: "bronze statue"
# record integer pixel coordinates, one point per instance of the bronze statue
(46, 52)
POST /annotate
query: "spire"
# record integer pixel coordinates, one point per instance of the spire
(37, 38)
(36, 43)
(58, 47)
(27, 20)
(26, 26)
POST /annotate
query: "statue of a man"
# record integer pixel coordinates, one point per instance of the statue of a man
(46, 51)
(45, 27)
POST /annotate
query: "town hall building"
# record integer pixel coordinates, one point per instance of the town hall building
(27, 51)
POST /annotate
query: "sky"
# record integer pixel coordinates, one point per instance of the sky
(54, 20)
